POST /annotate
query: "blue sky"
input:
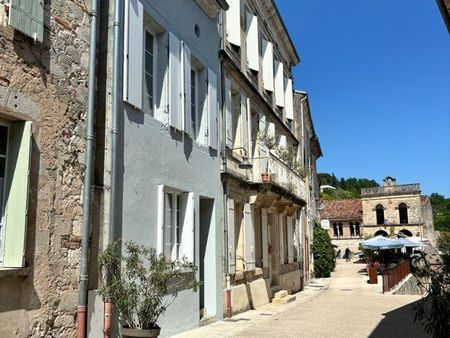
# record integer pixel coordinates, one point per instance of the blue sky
(378, 78)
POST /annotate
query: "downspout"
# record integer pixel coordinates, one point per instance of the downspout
(116, 99)
(87, 186)
(224, 167)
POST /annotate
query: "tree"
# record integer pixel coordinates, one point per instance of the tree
(433, 311)
(323, 253)
(441, 211)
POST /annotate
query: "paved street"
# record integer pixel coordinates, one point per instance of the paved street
(343, 306)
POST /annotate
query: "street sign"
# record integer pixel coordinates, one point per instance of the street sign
(325, 224)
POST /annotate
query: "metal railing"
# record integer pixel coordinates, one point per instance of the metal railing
(393, 276)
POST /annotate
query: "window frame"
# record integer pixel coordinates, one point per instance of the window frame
(175, 241)
(149, 30)
(3, 190)
(195, 125)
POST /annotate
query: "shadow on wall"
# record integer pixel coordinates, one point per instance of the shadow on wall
(399, 323)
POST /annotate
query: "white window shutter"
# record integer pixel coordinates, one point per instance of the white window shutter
(267, 48)
(281, 238)
(244, 127)
(187, 234)
(271, 129)
(212, 109)
(233, 22)
(134, 54)
(175, 83)
(279, 84)
(283, 141)
(231, 247)
(160, 220)
(252, 42)
(187, 89)
(16, 209)
(265, 245)
(290, 240)
(289, 99)
(249, 235)
(228, 113)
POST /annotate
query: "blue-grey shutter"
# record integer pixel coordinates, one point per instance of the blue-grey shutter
(27, 16)
(134, 53)
(187, 89)
(231, 240)
(249, 235)
(229, 113)
(175, 83)
(212, 107)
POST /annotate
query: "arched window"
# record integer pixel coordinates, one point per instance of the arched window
(381, 233)
(380, 214)
(352, 229)
(335, 230)
(405, 232)
(341, 230)
(403, 213)
(358, 230)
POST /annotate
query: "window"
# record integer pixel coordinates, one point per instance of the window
(149, 83)
(4, 132)
(15, 142)
(194, 104)
(341, 230)
(335, 230)
(172, 225)
(175, 223)
(379, 210)
(352, 229)
(403, 213)
(358, 230)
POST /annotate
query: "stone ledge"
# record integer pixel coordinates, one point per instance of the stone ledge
(14, 272)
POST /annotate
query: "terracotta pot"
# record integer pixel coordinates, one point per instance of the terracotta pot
(127, 332)
(265, 177)
(373, 278)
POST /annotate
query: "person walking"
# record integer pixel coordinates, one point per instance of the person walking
(347, 255)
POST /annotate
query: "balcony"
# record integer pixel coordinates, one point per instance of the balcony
(279, 174)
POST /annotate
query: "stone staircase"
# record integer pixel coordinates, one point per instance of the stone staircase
(282, 297)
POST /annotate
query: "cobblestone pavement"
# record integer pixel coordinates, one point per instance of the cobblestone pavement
(343, 306)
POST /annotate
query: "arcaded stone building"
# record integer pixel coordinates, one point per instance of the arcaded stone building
(43, 74)
(392, 209)
(345, 217)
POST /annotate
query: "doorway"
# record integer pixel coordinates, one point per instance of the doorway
(207, 258)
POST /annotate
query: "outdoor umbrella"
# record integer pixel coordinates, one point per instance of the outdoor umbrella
(408, 243)
(382, 243)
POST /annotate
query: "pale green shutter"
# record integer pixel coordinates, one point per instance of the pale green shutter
(27, 16)
(17, 195)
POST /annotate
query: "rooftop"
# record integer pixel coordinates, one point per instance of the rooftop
(342, 209)
(401, 189)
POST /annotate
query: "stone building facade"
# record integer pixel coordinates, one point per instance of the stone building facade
(392, 209)
(43, 76)
(345, 223)
(265, 172)
(172, 147)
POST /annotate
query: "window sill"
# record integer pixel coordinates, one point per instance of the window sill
(14, 272)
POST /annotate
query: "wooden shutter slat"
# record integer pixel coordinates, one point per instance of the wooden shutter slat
(252, 42)
(187, 89)
(233, 22)
(249, 235)
(265, 245)
(231, 235)
(134, 54)
(212, 109)
(16, 210)
(279, 84)
(267, 65)
(289, 99)
(27, 16)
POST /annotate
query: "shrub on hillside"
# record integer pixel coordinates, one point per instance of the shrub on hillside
(323, 252)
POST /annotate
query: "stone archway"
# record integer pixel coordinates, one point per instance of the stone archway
(405, 232)
(381, 233)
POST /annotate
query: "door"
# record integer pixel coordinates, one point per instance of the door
(207, 258)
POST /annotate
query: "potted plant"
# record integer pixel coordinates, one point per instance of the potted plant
(372, 271)
(141, 285)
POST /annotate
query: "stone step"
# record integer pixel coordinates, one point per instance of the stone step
(280, 294)
(284, 300)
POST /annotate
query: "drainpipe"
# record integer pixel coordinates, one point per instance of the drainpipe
(116, 99)
(90, 144)
(224, 165)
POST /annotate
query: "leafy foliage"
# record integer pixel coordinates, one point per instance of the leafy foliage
(345, 188)
(139, 280)
(441, 212)
(323, 252)
(433, 311)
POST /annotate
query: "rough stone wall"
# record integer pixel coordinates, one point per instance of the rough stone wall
(428, 221)
(46, 83)
(390, 203)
